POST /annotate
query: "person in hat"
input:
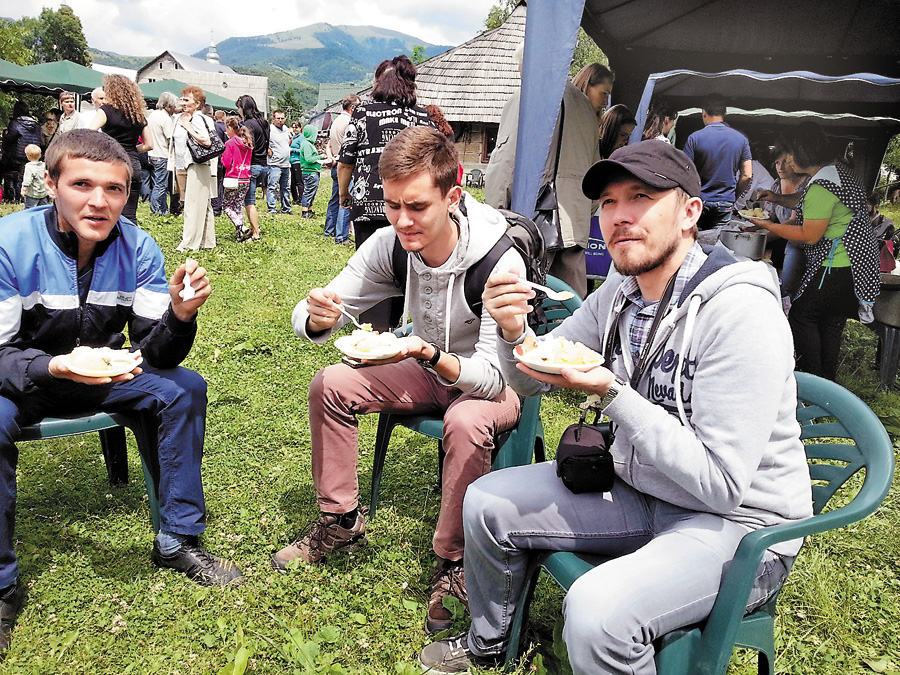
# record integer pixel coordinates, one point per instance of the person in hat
(695, 469)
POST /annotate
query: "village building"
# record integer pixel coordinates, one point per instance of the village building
(207, 74)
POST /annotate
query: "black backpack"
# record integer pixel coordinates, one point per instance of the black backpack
(521, 234)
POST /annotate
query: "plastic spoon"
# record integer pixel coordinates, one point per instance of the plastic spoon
(187, 292)
(559, 296)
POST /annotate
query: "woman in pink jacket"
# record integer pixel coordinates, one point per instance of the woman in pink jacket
(236, 160)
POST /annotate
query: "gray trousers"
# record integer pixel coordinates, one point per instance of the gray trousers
(665, 573)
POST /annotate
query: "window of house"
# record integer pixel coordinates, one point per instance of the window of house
(488, 141)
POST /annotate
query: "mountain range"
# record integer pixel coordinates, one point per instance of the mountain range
(321, 52)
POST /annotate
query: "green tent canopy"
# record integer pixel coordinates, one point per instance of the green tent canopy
(14, 77)
(65, 75)
(153, 90)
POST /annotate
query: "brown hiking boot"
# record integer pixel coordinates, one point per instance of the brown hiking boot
(449, 578)
(323, 536)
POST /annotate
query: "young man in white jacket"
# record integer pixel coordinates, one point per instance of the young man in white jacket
(699, 386)
(447, 365)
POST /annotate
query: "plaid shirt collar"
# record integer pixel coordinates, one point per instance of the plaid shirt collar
(639, 315)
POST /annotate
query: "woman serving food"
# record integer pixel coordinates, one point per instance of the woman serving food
(840, 279)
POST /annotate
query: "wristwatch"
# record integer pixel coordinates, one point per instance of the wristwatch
(433, 361)
(611, 393)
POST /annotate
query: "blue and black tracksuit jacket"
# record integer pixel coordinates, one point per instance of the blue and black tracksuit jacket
(43, 314)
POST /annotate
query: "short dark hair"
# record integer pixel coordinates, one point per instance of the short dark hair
(84, 144)
(808, 145)
(419, 149)
(714, 105)
(349, 101)
(395, 82)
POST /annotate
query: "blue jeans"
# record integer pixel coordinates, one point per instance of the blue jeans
(715, 214)
(259, 175)
(337, 218)
(146, 184)
(31, 202)
(279, 180)
(174, 400)
(664, 570)
(159, 177)
(331, 215)
(310, 187)
(793, 268)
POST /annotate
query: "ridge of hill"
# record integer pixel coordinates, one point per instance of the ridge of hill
(321, 52)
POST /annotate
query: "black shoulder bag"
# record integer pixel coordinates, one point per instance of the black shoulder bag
(583, 460)
(200, 154)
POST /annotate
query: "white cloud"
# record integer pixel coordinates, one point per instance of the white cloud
(145, 28)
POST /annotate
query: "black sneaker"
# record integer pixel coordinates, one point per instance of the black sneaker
(198, 564)
(10, 602)
(449, 578)
(452, 655)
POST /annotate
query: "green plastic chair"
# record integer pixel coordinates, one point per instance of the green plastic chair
(515, 447)
(112, 440)
(827, 412)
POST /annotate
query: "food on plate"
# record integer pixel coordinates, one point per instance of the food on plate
(558, 352)
(370, 341)
(754, 213)
(102, 361)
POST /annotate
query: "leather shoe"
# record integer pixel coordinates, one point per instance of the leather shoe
(10, 602)
(198, 564)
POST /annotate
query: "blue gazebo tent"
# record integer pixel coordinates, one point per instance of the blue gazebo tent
(641, 37)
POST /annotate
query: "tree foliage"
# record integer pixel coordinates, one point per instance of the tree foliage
(499, 13)
(57, 35)
(14, 39)
(288, 102)
(418, 54)
(586, 51)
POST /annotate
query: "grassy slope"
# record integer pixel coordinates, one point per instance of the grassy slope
(97, 605)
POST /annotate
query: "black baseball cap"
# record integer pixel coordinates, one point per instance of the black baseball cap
(656, 163)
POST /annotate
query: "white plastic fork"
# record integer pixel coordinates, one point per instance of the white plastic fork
(343, 311)
(559, 296)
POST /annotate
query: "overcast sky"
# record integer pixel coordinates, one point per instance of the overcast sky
(148, 27)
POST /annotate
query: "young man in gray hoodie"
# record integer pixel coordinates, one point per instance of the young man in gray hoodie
(447, 365)
(707, 447)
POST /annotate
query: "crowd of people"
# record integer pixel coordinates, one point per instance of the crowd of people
(284, 162)
(694, 473)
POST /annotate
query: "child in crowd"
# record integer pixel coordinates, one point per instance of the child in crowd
(236, 160)
(303, 148)
(33, 188)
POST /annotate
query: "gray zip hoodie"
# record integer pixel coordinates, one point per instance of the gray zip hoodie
(712, 424)
(434, 296)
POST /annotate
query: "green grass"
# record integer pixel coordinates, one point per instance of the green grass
(96, 604)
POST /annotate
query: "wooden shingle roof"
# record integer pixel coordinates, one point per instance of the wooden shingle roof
(472, 82)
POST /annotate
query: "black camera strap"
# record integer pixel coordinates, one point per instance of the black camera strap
(643, 362)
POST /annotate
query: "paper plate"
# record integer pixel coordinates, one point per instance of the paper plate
(554, 368)
(113, 371)
(347, 345)
(747, 215)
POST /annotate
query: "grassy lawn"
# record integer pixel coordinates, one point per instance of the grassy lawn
(97, 605)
